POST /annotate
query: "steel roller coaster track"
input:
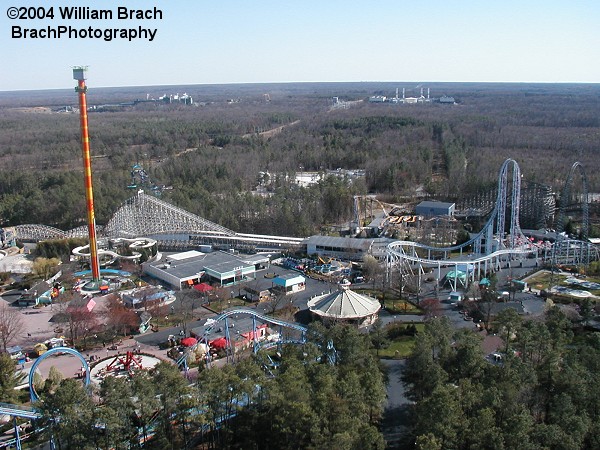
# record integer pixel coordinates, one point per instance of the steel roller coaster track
(289, 333)
(501, 238)
(565, 198)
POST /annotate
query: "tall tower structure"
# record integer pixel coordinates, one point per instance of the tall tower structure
(79, 75)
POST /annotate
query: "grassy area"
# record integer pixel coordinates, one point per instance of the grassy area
(221, 305)
(391, 302)
(542, 281)
(402, 344)
(397, 306)
(398, 349)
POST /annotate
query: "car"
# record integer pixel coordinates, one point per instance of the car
(496, 357)
(15, 352)
(467, 318)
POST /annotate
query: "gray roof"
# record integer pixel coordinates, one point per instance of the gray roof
(341, 242)
(181, 268)
(432, 204)
(224, 265)
(145, 317)
(220, 262)
(256, 258)
(259, 284)
(344, 304)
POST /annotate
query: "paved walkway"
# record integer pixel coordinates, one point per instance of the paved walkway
(69, 366)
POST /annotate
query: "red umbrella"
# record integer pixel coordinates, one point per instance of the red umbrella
(203, 287)
(219, 343)
(188, 341)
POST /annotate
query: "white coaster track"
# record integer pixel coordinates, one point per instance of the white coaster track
(499, 240)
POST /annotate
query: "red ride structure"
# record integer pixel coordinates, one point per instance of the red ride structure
(81, 89)
(127, 364)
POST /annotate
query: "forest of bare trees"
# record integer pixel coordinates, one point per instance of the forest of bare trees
(212, 156)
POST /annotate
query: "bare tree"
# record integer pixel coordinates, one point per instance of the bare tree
(120, 318)
(277, 300)
(188, 300)
(432, 307)
(486, 306)
(11, 323)
(82, 323)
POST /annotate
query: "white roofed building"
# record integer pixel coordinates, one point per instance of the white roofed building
(289, 283)
(345, 305)
(188, 268)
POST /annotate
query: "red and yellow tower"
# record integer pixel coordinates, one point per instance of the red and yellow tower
(79, 75)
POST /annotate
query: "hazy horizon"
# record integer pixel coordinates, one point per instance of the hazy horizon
(267, 42)
(382, 84)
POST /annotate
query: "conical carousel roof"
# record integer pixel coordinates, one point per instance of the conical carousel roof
(344, 304)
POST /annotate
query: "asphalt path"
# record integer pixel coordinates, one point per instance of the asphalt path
(36, 321)
(398, 407)
(515, 269)
(396, 415)
(39, 328)
(37, 324)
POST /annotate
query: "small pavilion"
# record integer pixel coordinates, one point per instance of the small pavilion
(345, 305)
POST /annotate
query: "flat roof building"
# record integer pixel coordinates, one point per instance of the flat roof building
(188, 268)
(339, 247)
(431, 209)
(259, 290)
(289, 283)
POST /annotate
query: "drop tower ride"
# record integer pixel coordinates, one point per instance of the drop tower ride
(81, 89)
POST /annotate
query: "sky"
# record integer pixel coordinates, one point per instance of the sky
(264, 41)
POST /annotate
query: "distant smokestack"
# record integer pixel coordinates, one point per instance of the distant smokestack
(427, 93)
